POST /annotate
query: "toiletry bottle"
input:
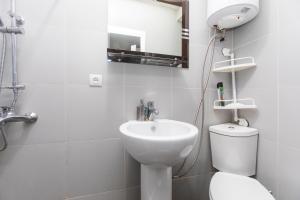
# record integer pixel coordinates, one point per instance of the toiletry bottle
(220, 89)
(140, 111)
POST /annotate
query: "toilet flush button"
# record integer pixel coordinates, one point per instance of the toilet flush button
(95, 80)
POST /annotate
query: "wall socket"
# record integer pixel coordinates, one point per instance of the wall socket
(95, 80)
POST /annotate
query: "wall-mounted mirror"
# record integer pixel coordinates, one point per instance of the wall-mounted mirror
(151, 32)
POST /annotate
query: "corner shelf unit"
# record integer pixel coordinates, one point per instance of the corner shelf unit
(240, 104)
(231, 66)
(239, 65)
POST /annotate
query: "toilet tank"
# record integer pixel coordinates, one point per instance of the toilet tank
(234, 148)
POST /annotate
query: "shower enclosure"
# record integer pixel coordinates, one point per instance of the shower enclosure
(7, 112)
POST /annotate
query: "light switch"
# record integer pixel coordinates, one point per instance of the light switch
(95, 80)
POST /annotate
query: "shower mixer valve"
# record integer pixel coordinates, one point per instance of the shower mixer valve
(17, 29)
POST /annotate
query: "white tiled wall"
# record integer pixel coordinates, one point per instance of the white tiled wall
(272, 39)
(74, 151)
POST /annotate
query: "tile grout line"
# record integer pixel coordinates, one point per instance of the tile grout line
(253, 41)
(278, 100)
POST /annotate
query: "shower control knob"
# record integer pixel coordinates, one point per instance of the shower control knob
(20, 21)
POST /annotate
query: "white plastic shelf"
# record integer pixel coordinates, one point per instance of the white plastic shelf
(239, 104)
(240, 64)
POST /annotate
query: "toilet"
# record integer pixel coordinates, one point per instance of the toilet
(234, 153)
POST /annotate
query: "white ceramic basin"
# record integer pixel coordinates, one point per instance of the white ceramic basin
(159, 142)
(158, 145)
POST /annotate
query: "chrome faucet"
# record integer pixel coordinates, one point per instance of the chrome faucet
(4, 110)
(152, 111)
(146, 112)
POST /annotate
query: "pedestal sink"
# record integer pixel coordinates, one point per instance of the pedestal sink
(158, 145)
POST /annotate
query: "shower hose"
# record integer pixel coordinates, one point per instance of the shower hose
(204, 84)
(2, 129)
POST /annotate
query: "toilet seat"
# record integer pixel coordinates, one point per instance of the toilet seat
(226, 186)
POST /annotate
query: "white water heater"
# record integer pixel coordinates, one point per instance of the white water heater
(227, 14)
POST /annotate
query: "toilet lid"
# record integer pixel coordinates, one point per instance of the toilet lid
(226, 186)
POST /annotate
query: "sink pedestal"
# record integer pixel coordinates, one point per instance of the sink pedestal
(156, 183)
